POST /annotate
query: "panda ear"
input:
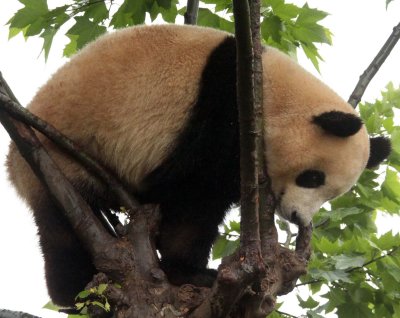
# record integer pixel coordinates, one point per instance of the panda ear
(338, 123)
(379, 150)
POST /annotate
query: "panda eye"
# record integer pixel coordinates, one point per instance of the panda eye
(310, 179)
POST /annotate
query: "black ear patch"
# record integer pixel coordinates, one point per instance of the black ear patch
(379, 150)
(338, 123)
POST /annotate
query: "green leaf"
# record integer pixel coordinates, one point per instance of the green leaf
(48, 36)
(72, 46)
(271, 26)
(362, 294)
(350, 310)
(96, 11)
(311, 33)
(335, 298)
(391, 185)
(224, 247)
(33, 10)
(169, 15)
(394, 271)
(234, 226)
(326, 246)
(338, 215)
(129, 13)
(51, 306)
(36, 27)
(207, 18)
(15, 31)
(309, 303)
(345, 261)
(287, 11)
(85, 30)
(275, 314)
(395, 139)
(387, 241)
(331, 276)
(309, 16)
(79, 306)
(99, 304)
(313, 314)
(101, 288)
(83, 294)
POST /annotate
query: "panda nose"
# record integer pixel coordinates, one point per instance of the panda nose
(294, 218)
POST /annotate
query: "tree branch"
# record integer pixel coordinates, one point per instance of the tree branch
(4, 313)
(131, 261)
(373, 68)
(192, 8)
(86, 225)
(267, 204)
(250, 232)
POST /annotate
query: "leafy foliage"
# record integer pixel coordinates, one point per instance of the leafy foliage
(94, 296)
(354, 270)
(287, 27)
(90, 19)
(284, 25)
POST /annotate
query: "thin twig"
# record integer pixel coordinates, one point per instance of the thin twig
(373, 68)
(285, 314)
(390, 253)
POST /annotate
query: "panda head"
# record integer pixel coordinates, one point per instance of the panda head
(342, 151)
(316, 145)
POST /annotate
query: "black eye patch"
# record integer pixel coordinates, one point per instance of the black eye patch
(310, 179)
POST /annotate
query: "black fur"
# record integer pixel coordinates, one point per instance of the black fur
(68, 266)
(338, 123)
(194, 186)
(200, 180)
(379, 150)
(311, 179)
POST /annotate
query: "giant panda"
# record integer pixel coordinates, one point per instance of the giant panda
(157, 106)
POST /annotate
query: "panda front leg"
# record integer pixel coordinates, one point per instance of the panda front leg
(185, 242)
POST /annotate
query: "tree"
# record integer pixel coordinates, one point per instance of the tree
(287, 27)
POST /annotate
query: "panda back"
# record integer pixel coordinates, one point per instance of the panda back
(126, 97)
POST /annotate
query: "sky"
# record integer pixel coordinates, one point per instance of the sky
(360, 28)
